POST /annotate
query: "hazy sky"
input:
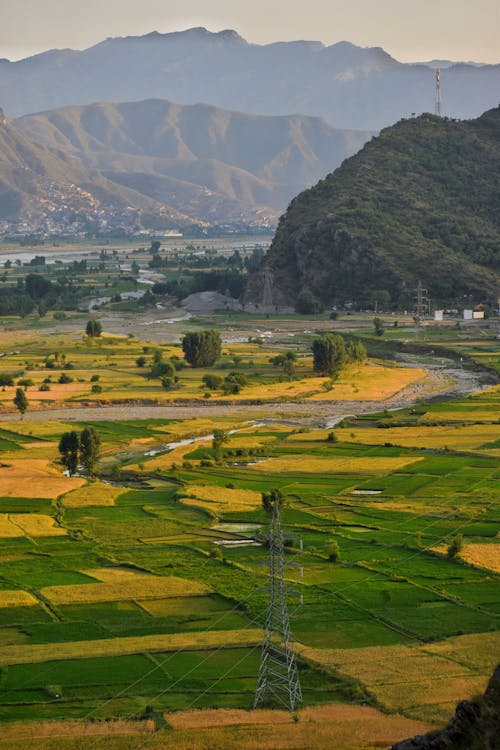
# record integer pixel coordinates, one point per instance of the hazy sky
(407, 29)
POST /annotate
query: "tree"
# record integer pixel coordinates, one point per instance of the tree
(379, 326)
(6, 379)
(333, 550)
(329, 354)
(212, 382)
(269, 498)
(308, 304)
(90, 442)
(21, 401)
(202, 348)
(25, 382)
(220, 437)
(355, 351)
(286, 361)
(69, 446)
(140, 361)
(93, 328)
(162, 369)
(455, 547)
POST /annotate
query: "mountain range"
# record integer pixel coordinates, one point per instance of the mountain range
(182, 164)
(420, 202)
(351, 87)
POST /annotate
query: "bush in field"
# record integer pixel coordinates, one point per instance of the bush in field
(378, 325)
(456, 546)
(93, 328)
(201, 348)
(162, 369)
(333, 550)
(212, 381)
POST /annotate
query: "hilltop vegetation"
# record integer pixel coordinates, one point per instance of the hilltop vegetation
(421, 201)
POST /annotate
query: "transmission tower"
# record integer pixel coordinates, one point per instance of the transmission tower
(278, 678)
(267, 297)
(437, 102)
(422, 306)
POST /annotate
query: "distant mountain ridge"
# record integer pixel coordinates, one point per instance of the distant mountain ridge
(419, 202)
(194, 164)
(349, 86)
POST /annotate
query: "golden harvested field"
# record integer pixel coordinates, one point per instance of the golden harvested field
(93, 494)
(361, 729)
(371, 382)
(430, 677)
(58, 392)
(249, 441)
(28, 524)
(343, 465)
(16, 598)
(482, 555)
(478, 650)
(136, 587)
(35, 478)
(466, 438)
(40, 652)
(29, 731)
(167, 460)
(221, 499)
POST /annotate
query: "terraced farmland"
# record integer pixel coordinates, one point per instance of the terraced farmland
(144, 588)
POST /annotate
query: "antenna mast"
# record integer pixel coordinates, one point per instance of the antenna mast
(278, 679)
(437, 103)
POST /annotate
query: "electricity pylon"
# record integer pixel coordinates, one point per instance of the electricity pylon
(267, 297)
(278, 678)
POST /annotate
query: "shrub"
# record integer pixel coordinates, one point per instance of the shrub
(455, 547)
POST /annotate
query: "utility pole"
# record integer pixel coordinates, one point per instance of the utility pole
(278, 679)
(437, 101)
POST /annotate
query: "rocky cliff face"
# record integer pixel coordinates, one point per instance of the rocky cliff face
(475, 726)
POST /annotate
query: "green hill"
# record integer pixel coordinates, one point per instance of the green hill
(421, 201)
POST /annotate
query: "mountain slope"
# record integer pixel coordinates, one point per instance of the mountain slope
(421, 201)
(349, 86)
(212, 164)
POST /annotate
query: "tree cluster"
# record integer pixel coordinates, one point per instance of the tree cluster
(331, 353)
(80, 450)
(202, 348)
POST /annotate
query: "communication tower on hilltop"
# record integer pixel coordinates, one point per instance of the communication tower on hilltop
(267, 297)
(437, 103)
(278, 680)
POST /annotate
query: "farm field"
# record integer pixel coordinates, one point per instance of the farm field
(145, 587)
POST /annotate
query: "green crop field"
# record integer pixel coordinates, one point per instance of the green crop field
(97, 575)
